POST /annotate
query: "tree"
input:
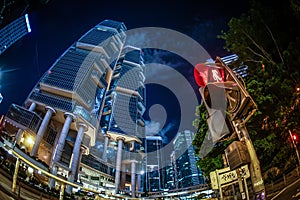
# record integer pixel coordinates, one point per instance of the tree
(270, 49)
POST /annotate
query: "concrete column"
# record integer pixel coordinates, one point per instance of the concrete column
(18, 136)
(118, 165)
(42, 130)
(15, 177)
(139, 182)
(76, 153)
(32, 107)
(51, 180)
(133, 171)
(62, 137)
(106, 142)
(60, 145)
(78, 164)
(62, 191)
(123, 177)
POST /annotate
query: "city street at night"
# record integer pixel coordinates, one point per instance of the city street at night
(185, 100)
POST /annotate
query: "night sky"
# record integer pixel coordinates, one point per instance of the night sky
(59, 23)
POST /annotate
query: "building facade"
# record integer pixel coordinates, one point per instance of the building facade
(154, 165)
(186, 172)
(14, 31)
(76, 119)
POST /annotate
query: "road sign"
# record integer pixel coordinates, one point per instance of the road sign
(224, 176)
(228, 177)
(244, 171)
(214, 180)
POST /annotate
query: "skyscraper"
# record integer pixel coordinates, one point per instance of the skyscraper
(122, 115)
(154, 163)
(187, 174)
(87, 96)
(14, 31)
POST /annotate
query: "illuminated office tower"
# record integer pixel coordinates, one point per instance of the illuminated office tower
(122, 119)
(66, 113)
(154, 163)
(187, 174)
(228, 60)
(14, 31)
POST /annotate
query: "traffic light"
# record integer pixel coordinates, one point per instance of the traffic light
(207, 77)
(295, 138)
(220, 86)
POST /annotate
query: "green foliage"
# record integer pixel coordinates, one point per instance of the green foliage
(209, 164)
(201, 127)
(271, 51)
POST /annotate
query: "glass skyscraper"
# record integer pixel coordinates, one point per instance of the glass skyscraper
(87, 108)
(14, 31)
(186, 172)
(154, 164)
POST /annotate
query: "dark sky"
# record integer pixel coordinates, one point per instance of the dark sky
(56, 25)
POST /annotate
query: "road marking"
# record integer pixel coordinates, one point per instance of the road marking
(285, 189)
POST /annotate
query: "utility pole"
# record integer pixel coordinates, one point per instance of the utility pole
(255, 171)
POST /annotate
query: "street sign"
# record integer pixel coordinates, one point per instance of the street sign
(224, 176)
(214, 180)
(244, 171)
(228, 177)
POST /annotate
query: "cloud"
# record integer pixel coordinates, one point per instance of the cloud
(164, 131)
(152, 128)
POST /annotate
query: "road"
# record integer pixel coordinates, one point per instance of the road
(5, 192)
(291, 192)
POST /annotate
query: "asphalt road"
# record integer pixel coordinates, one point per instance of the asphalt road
(291, 192)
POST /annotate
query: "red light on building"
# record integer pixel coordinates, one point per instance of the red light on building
(205, 74)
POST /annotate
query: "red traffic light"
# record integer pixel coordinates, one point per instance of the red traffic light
(295, 137)
(207, 73)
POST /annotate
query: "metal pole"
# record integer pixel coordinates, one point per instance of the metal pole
(15, 177)
(118, 165)
(219, 186)
(296, 149)
(240, 183)
(246, 188)
(255, 171)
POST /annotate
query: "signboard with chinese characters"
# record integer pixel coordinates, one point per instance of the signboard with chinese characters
(225, 176)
